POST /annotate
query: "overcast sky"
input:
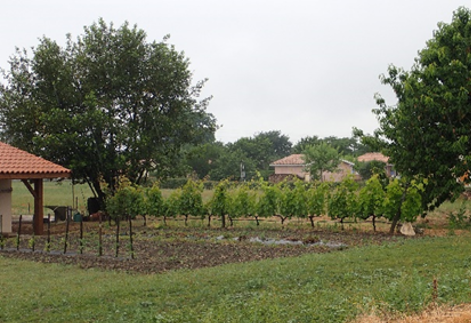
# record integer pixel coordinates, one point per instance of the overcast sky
(304, 67)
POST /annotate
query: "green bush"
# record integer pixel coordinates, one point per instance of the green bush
(459, 219)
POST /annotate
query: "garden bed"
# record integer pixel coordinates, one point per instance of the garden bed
(159, 248)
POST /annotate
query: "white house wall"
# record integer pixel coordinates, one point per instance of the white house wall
(5, 205)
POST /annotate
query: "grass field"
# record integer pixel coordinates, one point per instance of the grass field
(60, 193)
(392, 278)
(333, 287)
(55, 193)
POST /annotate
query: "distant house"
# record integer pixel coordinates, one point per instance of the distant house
(294, 166)
(368, 157)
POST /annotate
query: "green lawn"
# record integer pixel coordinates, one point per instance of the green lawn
(331, 287)
(61, 193)
(55, 193)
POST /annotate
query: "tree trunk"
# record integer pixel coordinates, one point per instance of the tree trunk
(231, 221)
(374, 223)
(311, 219)
(209, 221)
(397, 217)
(223, 221)
(256, 220)
(282, 218)
(100, 195)
(186, 219)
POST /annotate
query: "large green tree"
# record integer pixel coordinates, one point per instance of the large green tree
(280, 145)
(232, 165)
(305, 142)
(427, 133)
(202, 159)
(105, 105)
(321, 158)
(262, 149)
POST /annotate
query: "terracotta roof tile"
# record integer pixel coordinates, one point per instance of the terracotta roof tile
(294, 159)
(19, 164)
(297, 160)
(373, 156)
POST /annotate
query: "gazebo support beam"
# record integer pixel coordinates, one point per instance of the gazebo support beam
(38, 207)
(29, 187)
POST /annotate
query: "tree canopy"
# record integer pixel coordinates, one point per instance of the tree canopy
(427, 133)
(247, 155)
(320, 158)
(345, 146)
(105, 105)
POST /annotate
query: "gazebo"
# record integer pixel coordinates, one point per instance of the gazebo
(17, 164)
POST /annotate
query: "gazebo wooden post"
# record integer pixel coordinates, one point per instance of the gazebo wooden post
(38, 207)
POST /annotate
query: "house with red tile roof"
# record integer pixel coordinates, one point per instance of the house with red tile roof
(16, 164)
(294, 165)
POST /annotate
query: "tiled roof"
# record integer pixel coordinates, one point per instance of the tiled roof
(291, 160)
(373, 156)
(19, 164)
(297, 160)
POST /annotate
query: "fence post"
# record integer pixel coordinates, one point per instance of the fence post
(67, 221)
(81, 235)
(100, 239)
(19, 233)
(48, 243)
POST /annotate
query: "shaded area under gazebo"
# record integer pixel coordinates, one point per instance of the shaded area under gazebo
(17, 164)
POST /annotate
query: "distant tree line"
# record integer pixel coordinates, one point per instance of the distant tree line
(249, 156)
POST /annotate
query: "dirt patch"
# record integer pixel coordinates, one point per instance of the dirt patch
(163, 248)
(159, 249)
(456, 314)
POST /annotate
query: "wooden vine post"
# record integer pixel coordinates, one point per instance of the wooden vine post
(117, 237)
(67, 221)
(18, 233)
(100, 238)
(81, 235)
(48, 243)
(130, 238)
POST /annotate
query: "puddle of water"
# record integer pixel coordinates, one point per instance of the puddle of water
(276, 242)
(328, 244)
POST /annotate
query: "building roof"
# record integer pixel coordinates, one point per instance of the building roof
(297, 160)
(19, 164)
(291, 160)
(373, 156)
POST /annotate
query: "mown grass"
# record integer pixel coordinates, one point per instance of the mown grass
(331, 287)
(55, 193)
(62, 193)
